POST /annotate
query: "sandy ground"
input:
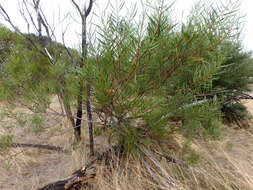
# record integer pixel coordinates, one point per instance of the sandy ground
(32, 168)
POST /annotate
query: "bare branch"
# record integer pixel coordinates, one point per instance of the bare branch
(7, 18)
(63, 41)
(44, 20)
(87, 12)
(22, 12)
(48, 54)
(152, 174)
(78, 9)
(158, 166)
(36, 7)
(171, 159)
(30, 16)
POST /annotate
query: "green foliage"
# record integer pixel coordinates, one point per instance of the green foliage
(6, 141)
(236, 70)
(29, 77)
(151, 74)
(190, 156)
(235, 74)
(236, 113)
(142, 75)
(21, 71)
(7, 39)
(202, 120)
(36, 124)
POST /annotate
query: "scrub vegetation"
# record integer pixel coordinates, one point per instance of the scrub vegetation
(162, 99)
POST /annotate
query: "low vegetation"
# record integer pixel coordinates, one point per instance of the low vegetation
(153, 91)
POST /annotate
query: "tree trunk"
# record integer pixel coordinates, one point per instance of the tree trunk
(36, 7)
(80, 100)
(90, 124)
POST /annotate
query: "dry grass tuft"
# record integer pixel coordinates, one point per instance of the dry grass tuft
(225, 164)
(222, 166)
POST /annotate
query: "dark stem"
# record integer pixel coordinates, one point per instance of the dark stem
(67, 108)
(79, 115)
(36, 7)
(88, 109)
(79, 100)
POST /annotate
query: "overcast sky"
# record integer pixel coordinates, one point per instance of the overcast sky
(55, 10)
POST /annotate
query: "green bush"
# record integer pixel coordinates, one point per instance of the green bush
(142, 75)
(236, 70)
(146, 75)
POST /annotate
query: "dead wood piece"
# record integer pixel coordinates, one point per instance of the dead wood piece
(78, 182)
(171, 159)
(152, 174)
(40, 146)
(181, 163)
(81, 176)
(74, 182)
(158, 166)
(59, 185)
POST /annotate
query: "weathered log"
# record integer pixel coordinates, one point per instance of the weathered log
(83, 175)
(74, 182)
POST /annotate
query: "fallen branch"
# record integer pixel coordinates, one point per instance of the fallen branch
(150, 171)
(145, 164)
(40, 146)
(158, 166)
(171, 159)
(76, 181)
(179, 162)
(81, 176)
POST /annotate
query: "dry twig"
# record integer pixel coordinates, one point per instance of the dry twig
(158, 166)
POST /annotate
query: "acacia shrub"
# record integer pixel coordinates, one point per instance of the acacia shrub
(142, 75)
(140, 71)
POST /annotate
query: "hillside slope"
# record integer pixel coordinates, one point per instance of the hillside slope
(223, 164)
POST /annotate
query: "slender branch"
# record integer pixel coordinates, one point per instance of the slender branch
(171, 159)
(7, 18)
(87, 12)
(30, 16)
(22, 12)
(36, 7)
(77, 8)
(152, 174)
(158, 166)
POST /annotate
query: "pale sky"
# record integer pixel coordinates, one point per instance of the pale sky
(55, 10)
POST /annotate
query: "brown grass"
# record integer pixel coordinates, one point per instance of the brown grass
(221, 167)
(225, 164)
